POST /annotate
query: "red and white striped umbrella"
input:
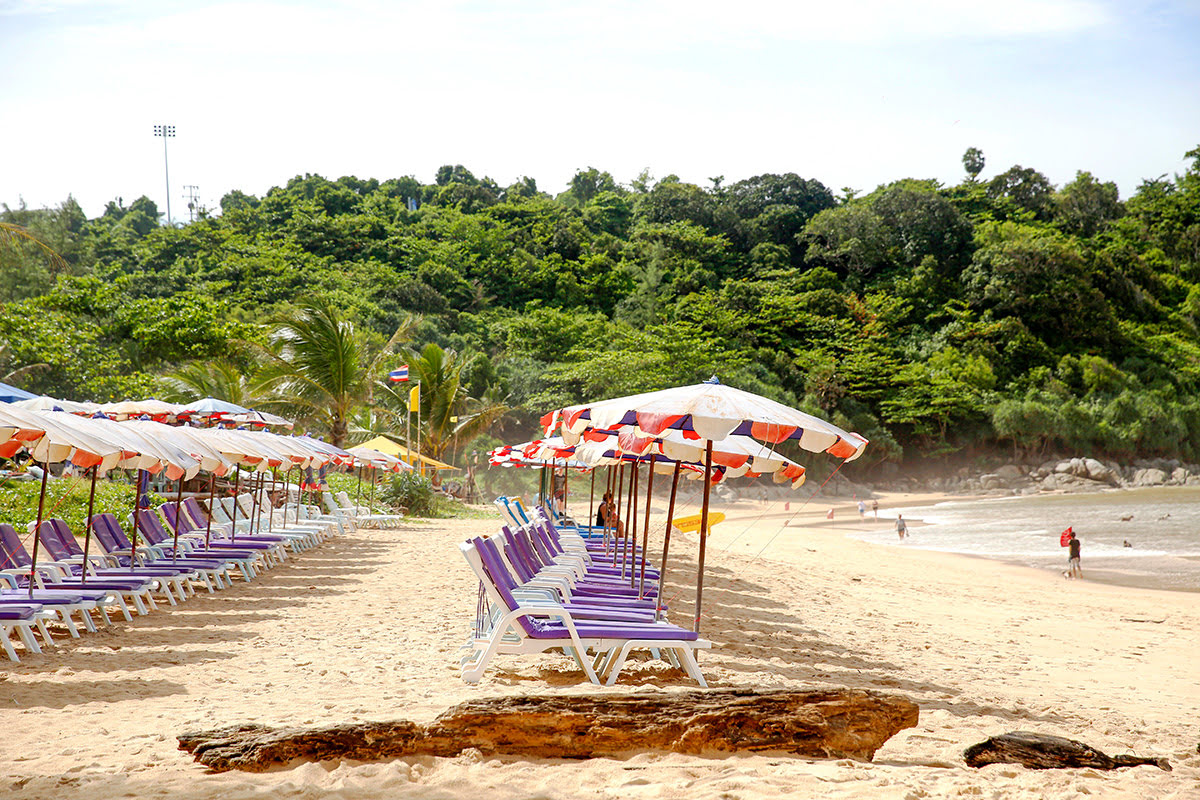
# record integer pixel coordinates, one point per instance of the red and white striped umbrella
(707, 411)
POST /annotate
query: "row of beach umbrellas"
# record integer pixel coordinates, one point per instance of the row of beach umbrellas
(707, 430)
(208, 408)
(180, 452)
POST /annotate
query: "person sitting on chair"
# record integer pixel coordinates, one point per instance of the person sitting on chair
(606, 515)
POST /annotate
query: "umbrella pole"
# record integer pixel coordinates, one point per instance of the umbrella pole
(178, 521)
(374, 480)
(212, 493)
(41, 509)
(662, 568)
(564, 508)
(703, 531)
(137, 520)
(256, 492)
(631, 528)
(271, 516)
(358, 493)
(591, 505)
(646, 532)
(299, 494)
(620, 481)
(237, 488)
(87, 526)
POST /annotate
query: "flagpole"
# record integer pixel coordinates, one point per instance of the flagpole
(422, 467)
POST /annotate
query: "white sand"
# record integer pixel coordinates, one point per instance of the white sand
(368, 626)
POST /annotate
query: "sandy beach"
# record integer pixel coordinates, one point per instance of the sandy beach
(368, 626)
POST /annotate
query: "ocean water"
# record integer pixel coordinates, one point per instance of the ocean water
(1162, 526)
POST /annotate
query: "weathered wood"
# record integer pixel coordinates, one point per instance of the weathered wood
(818, 724)
(1039, 751)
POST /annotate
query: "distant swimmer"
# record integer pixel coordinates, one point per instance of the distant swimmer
(1127, 518)
(901, 526)
(1165, 516)
(1126, 543)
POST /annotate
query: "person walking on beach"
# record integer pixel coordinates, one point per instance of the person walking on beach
(901, 526)
(862, 510)
(1073, 568)
(875, 509)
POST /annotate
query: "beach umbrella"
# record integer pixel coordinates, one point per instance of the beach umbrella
(737, 456)
(44, 403)
(212, 407)
(10, 394)
(155, 409)
(705, 413)
(260, 418)
(58, 442)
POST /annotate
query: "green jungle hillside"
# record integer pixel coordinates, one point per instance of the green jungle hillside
(994, 316)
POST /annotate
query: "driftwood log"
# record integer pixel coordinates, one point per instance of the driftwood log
(1038, 751)
(820, 724)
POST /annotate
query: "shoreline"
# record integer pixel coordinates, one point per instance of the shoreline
(847, 523)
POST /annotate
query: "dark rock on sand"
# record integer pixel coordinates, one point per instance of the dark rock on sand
(1039, 751)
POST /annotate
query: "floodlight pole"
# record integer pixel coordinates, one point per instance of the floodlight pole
(166, 132)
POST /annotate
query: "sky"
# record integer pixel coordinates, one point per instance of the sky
(853, 93)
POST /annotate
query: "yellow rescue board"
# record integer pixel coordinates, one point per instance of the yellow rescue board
(692, 523)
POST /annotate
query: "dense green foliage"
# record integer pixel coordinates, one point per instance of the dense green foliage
(1002, 312)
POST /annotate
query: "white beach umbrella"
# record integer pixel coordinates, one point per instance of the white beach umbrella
(44, 403)
(125, 409)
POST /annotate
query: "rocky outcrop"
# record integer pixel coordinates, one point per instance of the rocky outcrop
(1039, 751)
(814, 724)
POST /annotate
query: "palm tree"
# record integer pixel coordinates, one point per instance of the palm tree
(322, 368)
(448, 414)
(222, 379)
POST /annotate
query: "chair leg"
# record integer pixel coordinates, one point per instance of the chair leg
(26, 633)
(88, 623)
(45, 632)
(9, 650)
(65, 616)
(691, 665)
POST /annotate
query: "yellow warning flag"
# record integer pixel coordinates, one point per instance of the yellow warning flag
(414, 397)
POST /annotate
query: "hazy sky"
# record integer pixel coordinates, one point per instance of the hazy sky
(850, 92)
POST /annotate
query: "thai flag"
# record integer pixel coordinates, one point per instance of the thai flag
(398, 375)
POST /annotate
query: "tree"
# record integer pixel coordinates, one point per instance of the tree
(1085, 205)
(223, 379)
(448, 414)
(322, 368)
(1027, 188)
(973, 162)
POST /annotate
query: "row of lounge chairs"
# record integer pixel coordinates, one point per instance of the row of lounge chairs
(544, 586)
(241, 537)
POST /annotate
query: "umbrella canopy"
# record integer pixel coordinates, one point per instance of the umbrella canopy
(386, 445)
(16, 433)
(212, 407)
(549, 452)
(710, 411)
(61, 440)
(44, 403)
(737, 456)
(378, 459)
(198, 447)
(125, 409)
(10, 394)
(260, 418)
